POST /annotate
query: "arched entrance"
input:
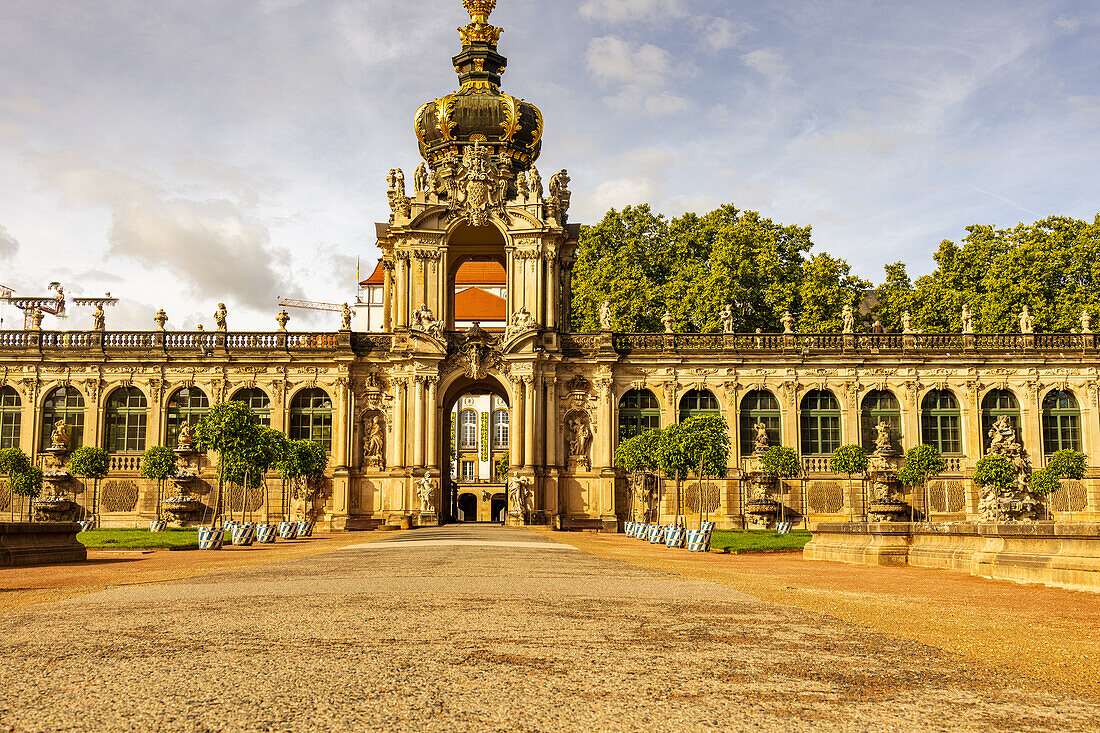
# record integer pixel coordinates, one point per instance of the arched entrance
(474, 450)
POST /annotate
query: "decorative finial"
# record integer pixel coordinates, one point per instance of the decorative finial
(479, 10)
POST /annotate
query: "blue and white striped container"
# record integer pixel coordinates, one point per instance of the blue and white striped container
(86, 524)
(211, 539)
(157, 525)
(288, 530)
(674, 536)
(698, 540)
(642, 532)
(243, 535)
(266, 533)
(656, 534)
(630, 528)
(305, 529)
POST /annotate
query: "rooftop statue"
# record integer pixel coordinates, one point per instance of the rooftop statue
(1027, 323)
(849, 319)
(726, 316)
(788, 322)
(605, 316)
(967, 319)
(220, 316)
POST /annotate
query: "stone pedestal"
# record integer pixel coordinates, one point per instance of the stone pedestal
(427, 519)
(40, 543)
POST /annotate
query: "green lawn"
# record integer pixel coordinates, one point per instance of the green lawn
(757, 540)
(133, 539)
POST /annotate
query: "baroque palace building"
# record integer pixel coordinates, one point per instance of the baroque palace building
(421, 407)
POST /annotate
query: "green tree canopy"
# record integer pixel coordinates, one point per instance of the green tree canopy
(995, 471)
(921, 463)
(849, 459)
(13, 461)
(780, 461)
(228, 427)
(90, 462)
(1044, 482)
(697, 446)
(639, 454)
(302, 460)
(1068, 463)
(159, 463)
(27, 482)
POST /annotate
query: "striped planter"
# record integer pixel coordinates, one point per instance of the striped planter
(674, 536)
(305, 529)
(628, 529)
(642, 533)
(211, 539)
(288, 530)
(656, 534)
(157, 525)
(698, 540)
(86, 524)
(243, 535)
(266, 533)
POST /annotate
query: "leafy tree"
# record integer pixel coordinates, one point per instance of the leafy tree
(28, 483)
(849, 459)
(13, 460)
(501, 466)
(780, 461)
(827, 286)
(699, 445)
(995, 471)
(894, 296)
(303, 462)
(637, 456)
(90, 462)
(159, 463)
(1068, 463)
(1044, 482)
(230, 429)
(921, 463)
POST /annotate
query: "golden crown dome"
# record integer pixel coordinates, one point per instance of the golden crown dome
(479, 112)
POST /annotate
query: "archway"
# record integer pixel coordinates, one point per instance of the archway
(474, 450)
(478, 248)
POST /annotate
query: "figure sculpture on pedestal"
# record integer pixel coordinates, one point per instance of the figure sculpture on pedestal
(760, 443)
(726, 316)
(420, 179)
(967, 319)
(185, 441)
(99, 318)
(220, 315)
(518, 493)
(425, 491)
(374, 443)
(345, 318)
(849, 320)
(521, 322)
(1027, 323)
(59, 438)
(605, 316)
(424, 320)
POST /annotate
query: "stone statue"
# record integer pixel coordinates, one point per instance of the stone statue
(849, 319)
(424, 320)
(967, 319)
(605, 316)
(535, 184)
(345, 318)
(1027, 323)
(36, 319)
(160, 319)
(521, 184)
(726, 316)
(1002, 437)
(400, 204)
(559, 194)
(669, 322)
(420, 179)
(521, 322)
(282, 319)
(882, 438)
(425, 491)
(476, 188)
(185, 440)
(374, 443)
(906, 323)
(760, 443)
(399, 182)
(518, 494)
(99, 318)
(219, 316)
(1086, 322)
(580, 438)
(60, 436)
(788, 322)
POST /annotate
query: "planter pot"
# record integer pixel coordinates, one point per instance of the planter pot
(243, 535)
(656, 534)
(674, 536)
(288, 530)
(305, 529)
(628, 529)
(266, 533)
(698, 540)
(157, 525)
(211, 539)
(642, 532)
(86, 524)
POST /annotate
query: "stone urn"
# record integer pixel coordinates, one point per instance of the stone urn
(181, 508)
(760, 508)
(882, 472)
(53, 509)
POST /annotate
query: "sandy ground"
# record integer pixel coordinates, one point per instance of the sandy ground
(486, 628)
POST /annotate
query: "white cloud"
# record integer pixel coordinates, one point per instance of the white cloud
(766, 61)
(722, 33)
(627, 11)
(636, 73)
(1069, 25)
(9, 245)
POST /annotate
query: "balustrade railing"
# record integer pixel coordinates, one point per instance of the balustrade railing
(125, 463)
(815, 464)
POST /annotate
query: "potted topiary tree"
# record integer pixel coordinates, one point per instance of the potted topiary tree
(13, 461)
(229, 429)
(708, 444)
(28, 484)
(675, 462)
(1066, 463)
(780, 462)
(849, 459)
(159, 464)
(92, 463)
(273, 447)
(637, 457)
(921, 463)
(303, 463)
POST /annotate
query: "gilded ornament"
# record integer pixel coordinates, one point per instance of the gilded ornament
(445, 124)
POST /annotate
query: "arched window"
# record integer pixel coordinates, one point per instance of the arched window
(311, 417)
(1061, 422)
(939, 422)
(500, 429)
(11, 416)
(467, 430)
(126, 414)
(63, 403)
(698, 402)
(639, 411)
(819, 423)
(258, 400)
(878, 406)
(185, 405)
(759, 406)
(996, 404)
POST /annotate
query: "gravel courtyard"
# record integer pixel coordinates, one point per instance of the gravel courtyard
(480, 628)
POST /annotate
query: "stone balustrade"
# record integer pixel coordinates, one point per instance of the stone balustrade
(197, 342)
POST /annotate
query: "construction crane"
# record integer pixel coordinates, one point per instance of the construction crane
(311, 305)
(55, 305)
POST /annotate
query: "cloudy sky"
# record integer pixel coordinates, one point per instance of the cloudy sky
(183, 152)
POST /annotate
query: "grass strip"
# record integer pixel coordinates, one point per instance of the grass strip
(757, 540)
(140, 539)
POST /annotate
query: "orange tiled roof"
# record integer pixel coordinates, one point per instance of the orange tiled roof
(475, 304)
(375, 277)
(480, 273)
